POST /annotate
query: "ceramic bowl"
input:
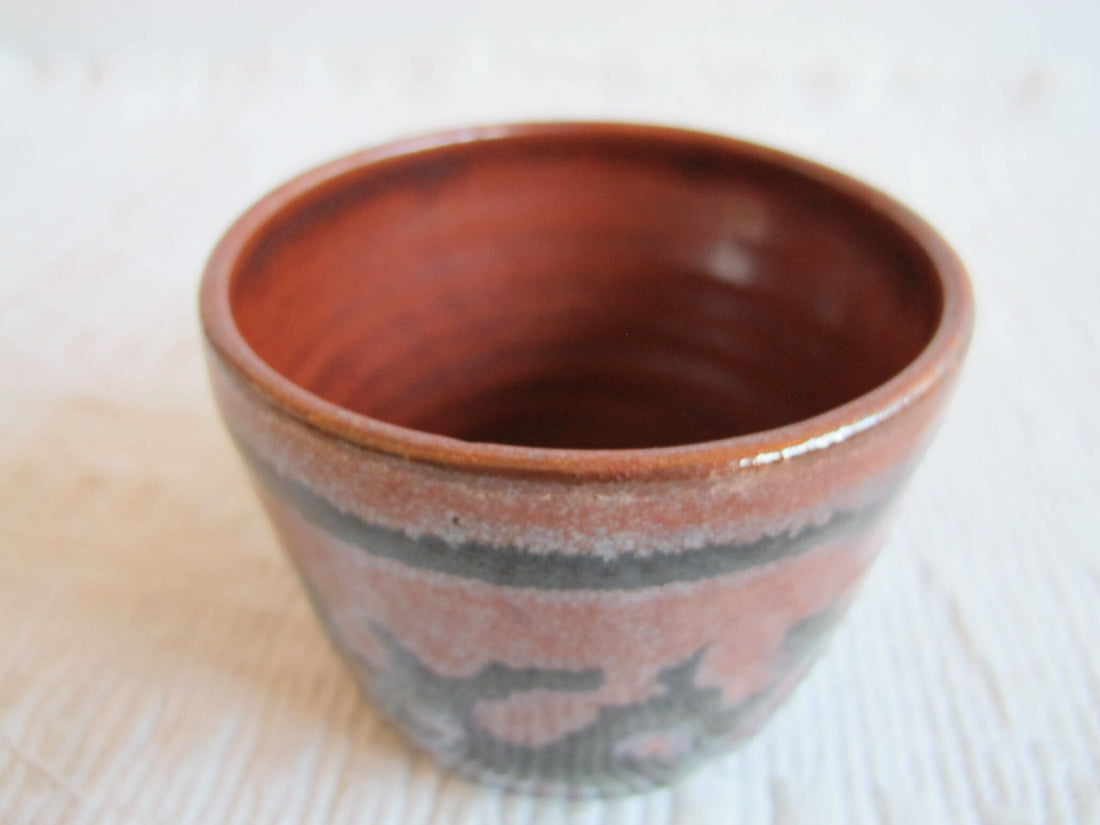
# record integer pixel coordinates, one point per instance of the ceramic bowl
(581, 436)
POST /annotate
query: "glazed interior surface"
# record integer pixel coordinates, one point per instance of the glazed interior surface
(595, 292)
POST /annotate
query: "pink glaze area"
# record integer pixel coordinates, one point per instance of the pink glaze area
(456, 627)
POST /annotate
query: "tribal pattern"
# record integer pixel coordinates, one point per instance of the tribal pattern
(628, 747)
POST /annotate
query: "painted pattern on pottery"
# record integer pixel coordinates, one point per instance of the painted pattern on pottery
(548, 684)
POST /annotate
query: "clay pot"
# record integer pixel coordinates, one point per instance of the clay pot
(581, 436)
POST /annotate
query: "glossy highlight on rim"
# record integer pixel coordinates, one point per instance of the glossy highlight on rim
(934, 364)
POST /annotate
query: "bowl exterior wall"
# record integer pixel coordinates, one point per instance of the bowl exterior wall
(577, 637)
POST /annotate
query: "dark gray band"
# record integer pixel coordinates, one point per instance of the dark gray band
(513, 567)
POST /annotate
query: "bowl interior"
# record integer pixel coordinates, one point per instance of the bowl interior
(584, 291)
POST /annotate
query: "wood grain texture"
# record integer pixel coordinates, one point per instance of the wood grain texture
(160, 662)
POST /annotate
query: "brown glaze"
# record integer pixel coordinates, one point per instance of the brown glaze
(578, 432)
(607, 292)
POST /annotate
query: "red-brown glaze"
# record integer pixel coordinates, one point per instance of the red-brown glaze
(598, 293)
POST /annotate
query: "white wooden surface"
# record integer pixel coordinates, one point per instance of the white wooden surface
(158, 660)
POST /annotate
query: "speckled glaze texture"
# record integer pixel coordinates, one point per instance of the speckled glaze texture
(581, 436)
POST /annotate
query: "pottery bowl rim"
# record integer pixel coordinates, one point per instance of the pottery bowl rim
(934, 364)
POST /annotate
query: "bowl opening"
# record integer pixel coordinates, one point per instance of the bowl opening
(599, 292)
